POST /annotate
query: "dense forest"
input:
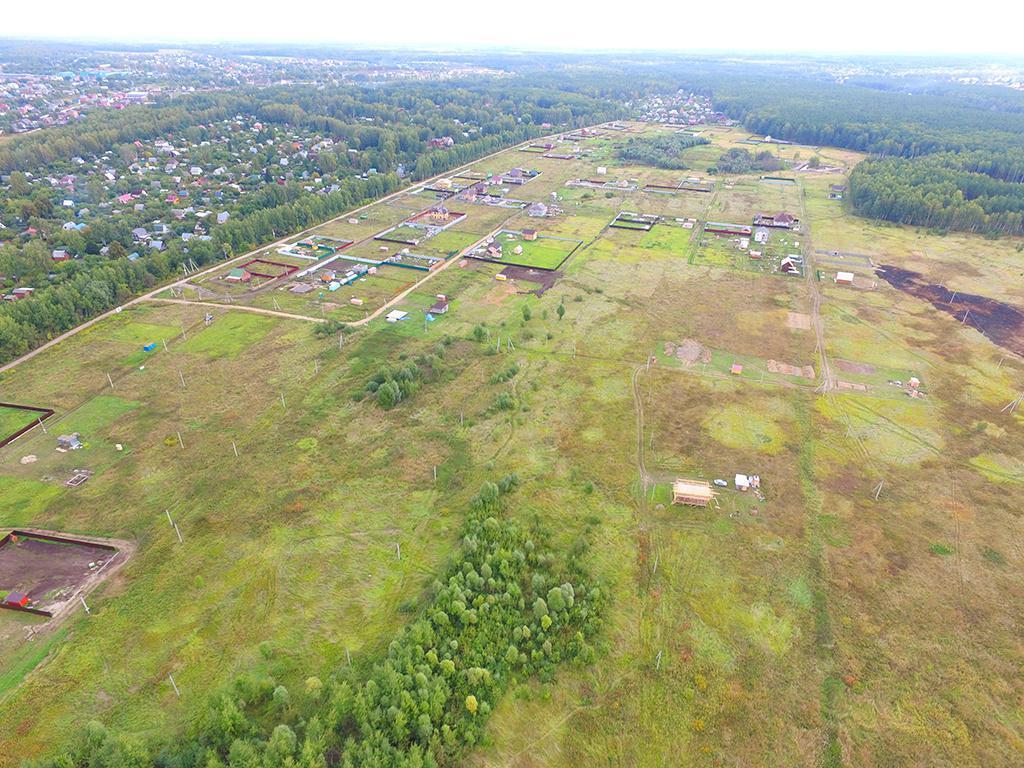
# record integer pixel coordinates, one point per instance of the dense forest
(955, 191)
(380, 140)
(506, 610)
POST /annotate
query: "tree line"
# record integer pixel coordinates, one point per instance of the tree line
(939, 191)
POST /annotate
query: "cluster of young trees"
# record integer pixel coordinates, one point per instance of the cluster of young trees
(393, 385)
(660, 151)
(737, 160)
(506, 609)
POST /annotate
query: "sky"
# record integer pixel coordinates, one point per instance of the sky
(748, 26)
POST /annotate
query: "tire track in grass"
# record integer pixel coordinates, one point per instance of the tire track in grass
(831, 754)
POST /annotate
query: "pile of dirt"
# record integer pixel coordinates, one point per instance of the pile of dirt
(786, 369)
(688, 351)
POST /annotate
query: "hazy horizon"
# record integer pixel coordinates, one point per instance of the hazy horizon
(800, 28)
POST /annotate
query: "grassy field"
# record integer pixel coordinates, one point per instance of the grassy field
(860, 612)
(13, 419)
(543, 253)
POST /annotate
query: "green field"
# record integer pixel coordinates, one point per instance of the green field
(543, 253)
(229, 335)
(858, 611)
(405, 233)
(13, 419)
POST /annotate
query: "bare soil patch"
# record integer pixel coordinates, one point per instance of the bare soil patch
(688, 351)
(861, 369)
(774, 366)
(53, 570)
(545, 278)
(798, 321)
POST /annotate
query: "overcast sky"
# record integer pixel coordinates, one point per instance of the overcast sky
(865, 26)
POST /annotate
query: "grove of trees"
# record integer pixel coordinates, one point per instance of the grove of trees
(507, 609)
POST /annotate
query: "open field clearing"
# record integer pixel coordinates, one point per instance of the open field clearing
(858, 606)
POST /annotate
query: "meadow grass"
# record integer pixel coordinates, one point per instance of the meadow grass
(818, 626)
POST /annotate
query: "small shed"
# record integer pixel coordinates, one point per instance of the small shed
(16, 599)
(529, 234)
(844, 278)
(69, 442)
(736, 369)
(696, 493)
(742, 482)
(440, 306)
(238, 275)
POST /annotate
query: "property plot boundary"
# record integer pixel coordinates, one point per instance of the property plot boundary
(637, 222)
(41, 415)
(480, 254)
(55, 539)
(387, 237)
(288, 268)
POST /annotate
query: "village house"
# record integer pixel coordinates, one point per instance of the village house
(778, 221)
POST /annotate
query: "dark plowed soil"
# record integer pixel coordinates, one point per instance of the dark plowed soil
(545, 278)
(1001, 323)
(48, 571)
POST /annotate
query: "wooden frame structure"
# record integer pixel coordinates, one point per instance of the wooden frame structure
(696, 493)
